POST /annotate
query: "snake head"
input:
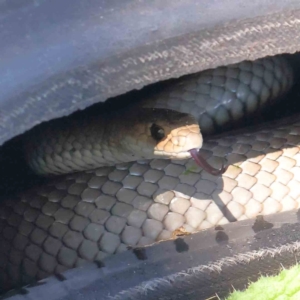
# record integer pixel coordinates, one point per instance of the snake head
(163, 133)
(175, 135)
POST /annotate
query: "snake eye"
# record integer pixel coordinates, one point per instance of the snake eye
(157, 132)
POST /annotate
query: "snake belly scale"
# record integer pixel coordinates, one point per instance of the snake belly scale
(89, 215)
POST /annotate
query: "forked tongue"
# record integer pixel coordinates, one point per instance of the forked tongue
(205, 165)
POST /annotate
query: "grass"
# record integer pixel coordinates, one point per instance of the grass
(284, 286)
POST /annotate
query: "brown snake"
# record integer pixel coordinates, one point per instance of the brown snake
(86, 216)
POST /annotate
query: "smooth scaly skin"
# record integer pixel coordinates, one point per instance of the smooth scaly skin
(214, 98)
(218, 98)
(65, 146)
(89, 215)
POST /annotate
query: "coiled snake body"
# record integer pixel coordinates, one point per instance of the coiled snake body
(86, 216)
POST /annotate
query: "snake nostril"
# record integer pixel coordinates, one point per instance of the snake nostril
(157, 132)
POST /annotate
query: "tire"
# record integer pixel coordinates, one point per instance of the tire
(58, 57)
(192, 267)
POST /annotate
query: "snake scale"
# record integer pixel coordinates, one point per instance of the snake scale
(89, 215)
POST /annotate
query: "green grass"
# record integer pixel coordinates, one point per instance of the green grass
(286, 285)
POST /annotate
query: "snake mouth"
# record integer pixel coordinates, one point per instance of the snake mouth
(205, 165)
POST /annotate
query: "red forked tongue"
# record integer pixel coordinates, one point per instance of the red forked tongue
(204, 164)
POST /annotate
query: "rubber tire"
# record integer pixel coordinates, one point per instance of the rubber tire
(192, 267)
(60, 56)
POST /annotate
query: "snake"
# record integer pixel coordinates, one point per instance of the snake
(133, 177)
